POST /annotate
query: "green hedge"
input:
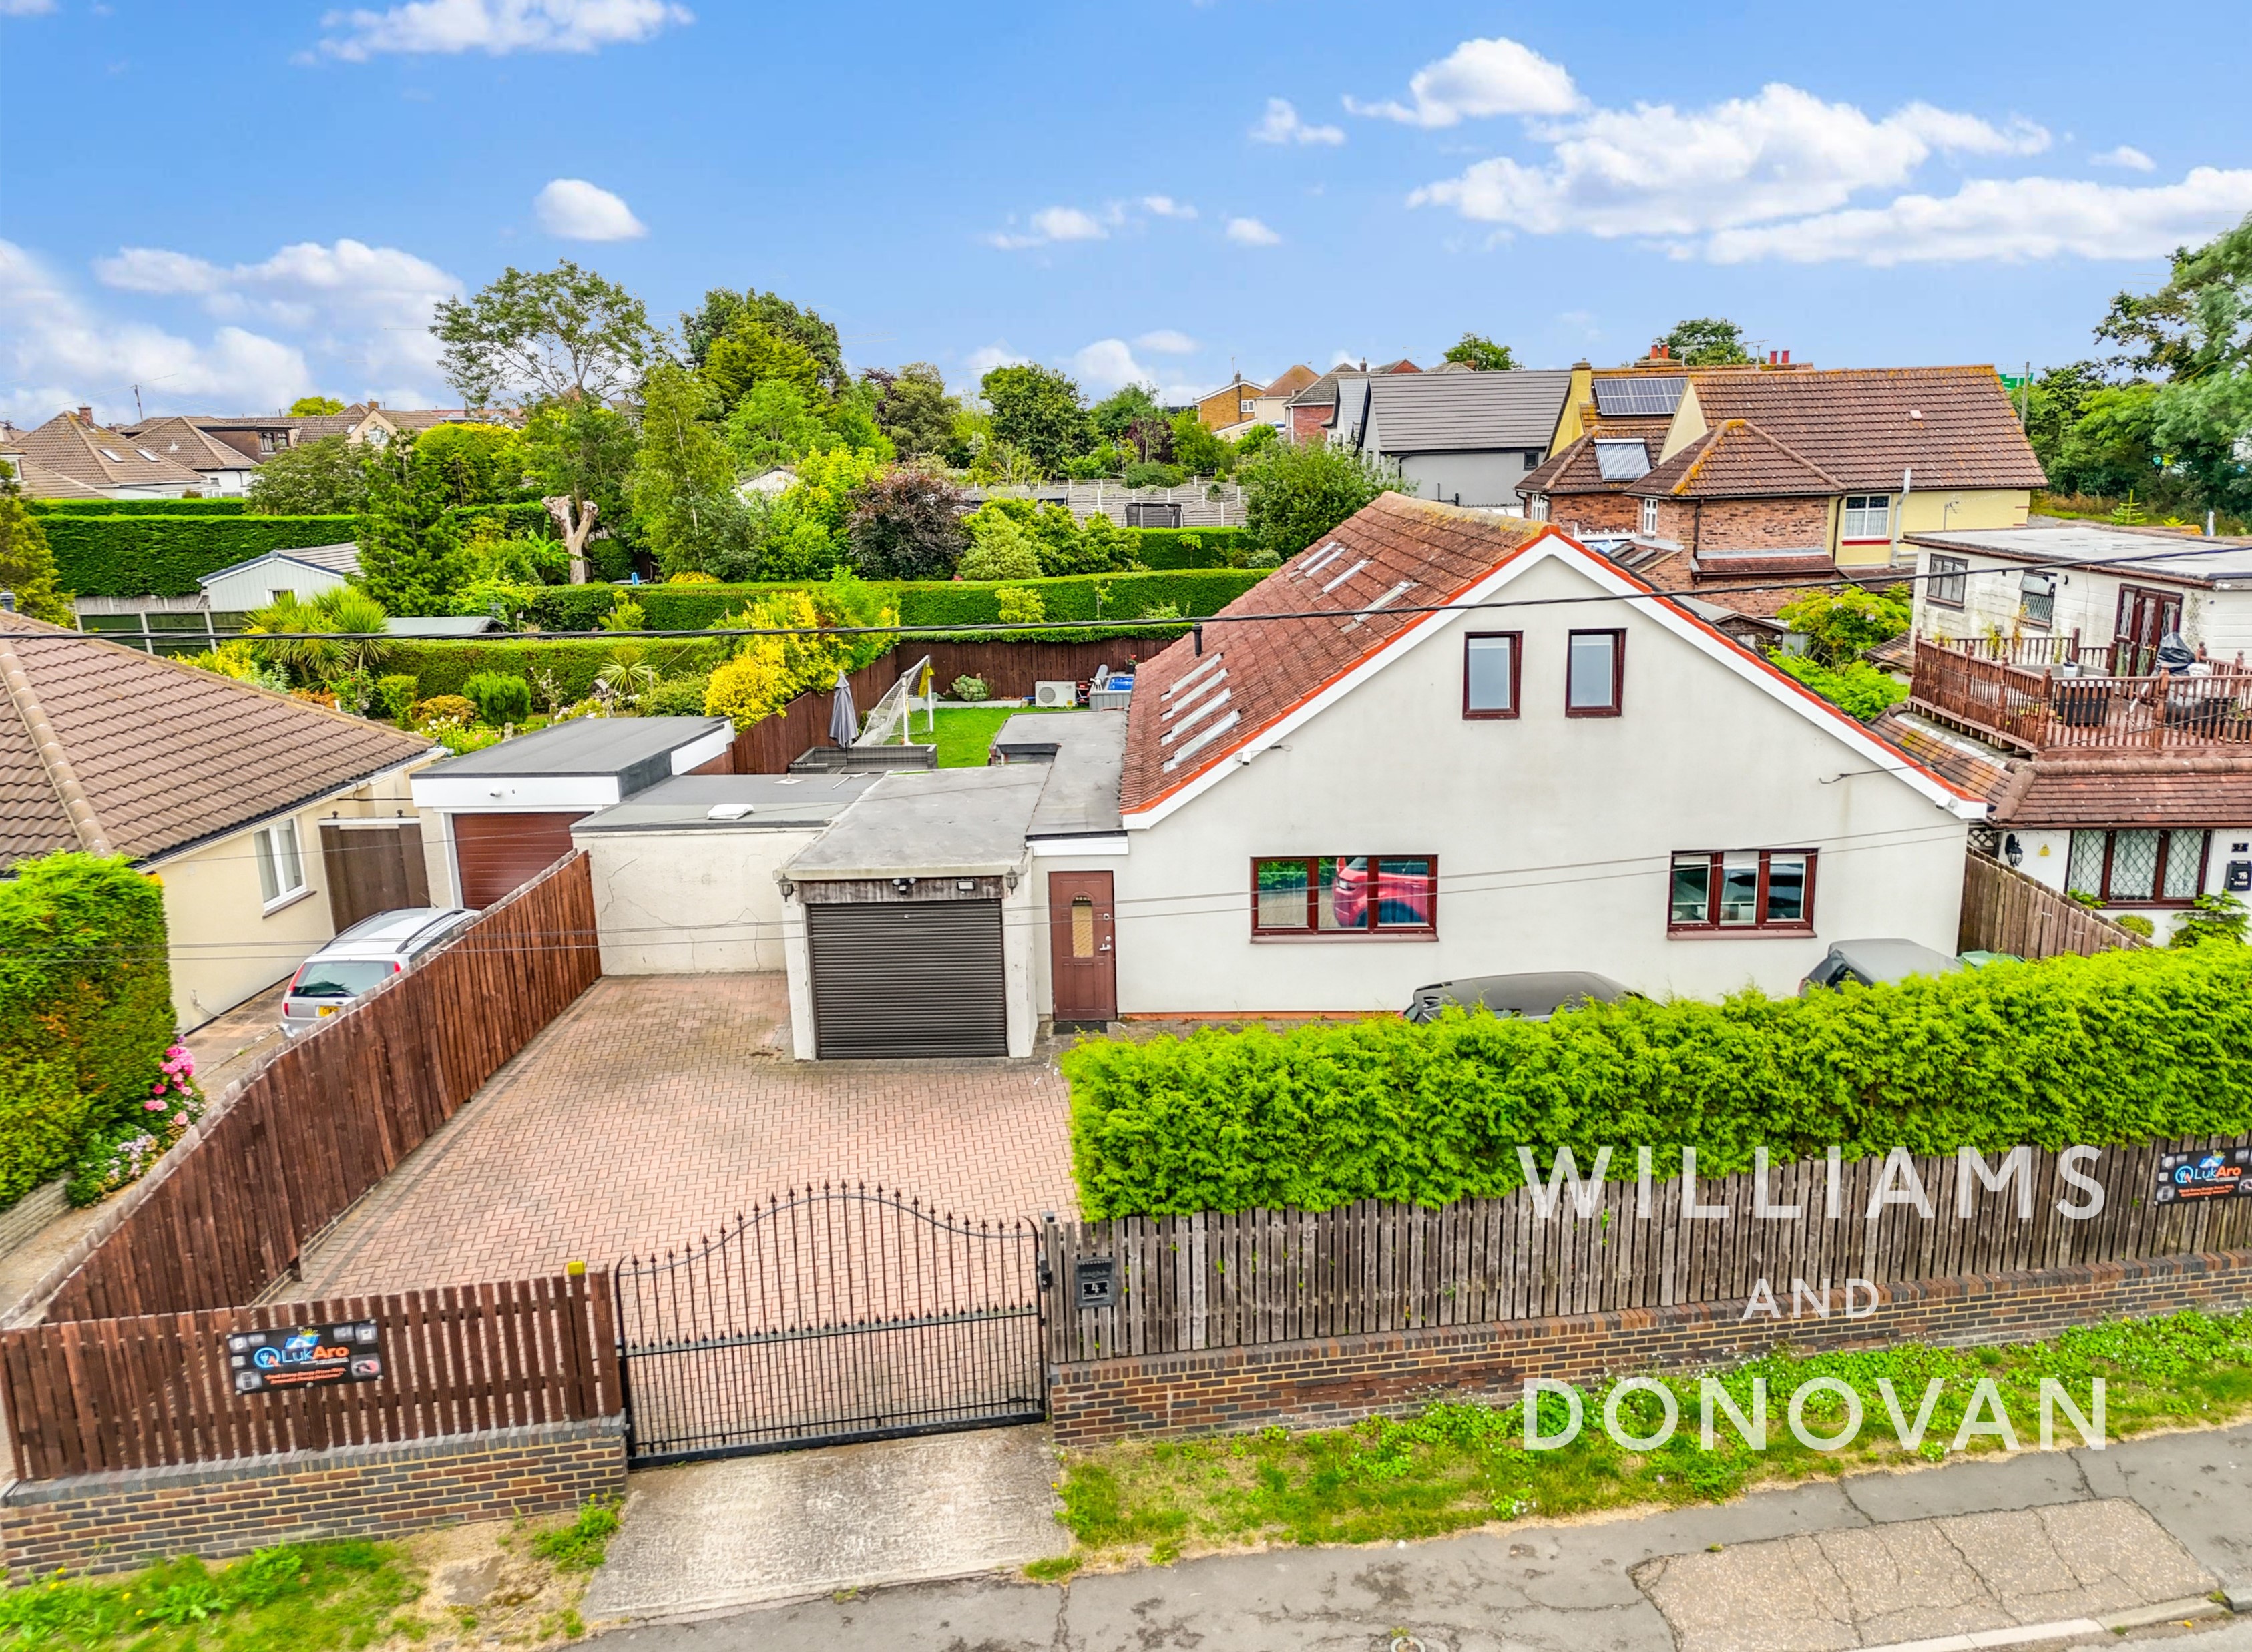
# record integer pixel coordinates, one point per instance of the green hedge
(2121, 1048)
(1164, 547)
(444, 667)
(86, 1010)
(163, 554)
(135, 507)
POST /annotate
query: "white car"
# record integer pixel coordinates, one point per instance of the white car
(365, 956)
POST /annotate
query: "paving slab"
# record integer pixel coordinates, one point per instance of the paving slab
(1979, 1485)
(2198, 1485)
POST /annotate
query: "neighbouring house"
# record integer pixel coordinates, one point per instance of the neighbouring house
(1192, 504)
(72, 445)
(259, 437)
(1272, 405)
(224, 601)
(1229, 406)
(1466, 439)
(227, 470)
(39, 482)
(505, 812)
(270, 821)
(1311, 412)
(1558, 769)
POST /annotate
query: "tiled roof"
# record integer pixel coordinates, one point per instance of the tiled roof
(39, 482)
(1440, 413)
(1857, 424)
(1292, 382)
(1320, 394)
(100, 458)
(183, 442)
(1573, 470)
(1737, 460)
(2146, 789)
(1401, 552)
(1973, 765)
(167, 755)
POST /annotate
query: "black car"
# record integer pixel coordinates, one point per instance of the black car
(1534, 997)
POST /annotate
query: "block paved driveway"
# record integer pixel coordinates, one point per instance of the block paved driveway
(656, 1107)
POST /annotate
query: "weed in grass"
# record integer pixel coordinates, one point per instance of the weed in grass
(294, 1597)
(581, 1545)
(1052, 1568)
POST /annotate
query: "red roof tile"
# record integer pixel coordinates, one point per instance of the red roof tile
(1737, 460)
(2141, 790)
(1859, 425)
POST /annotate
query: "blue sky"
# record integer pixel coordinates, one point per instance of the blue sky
(234, 204)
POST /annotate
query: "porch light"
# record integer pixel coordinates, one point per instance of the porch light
(2012, 851)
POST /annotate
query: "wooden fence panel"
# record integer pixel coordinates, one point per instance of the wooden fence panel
(2005, 911)
(1190, 1282)
(98, 1396)
(332, 1114)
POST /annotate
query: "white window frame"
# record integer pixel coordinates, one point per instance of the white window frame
(1649, 516)
(281, 858)
(1537, 510)
(1856, 507)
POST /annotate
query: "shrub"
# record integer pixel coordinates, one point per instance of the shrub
(1000, 548)
(2210, 918)
(972, 689)
(395, 694)
(1843, 624)
(907, 524)
(1155, 475)
(445, 708)
(1020, 602)
(1293, 494)
(1856, 688)
(2135, 924)
(499, 698)
(136, 507)
(677, 697)
(2125, 1047)
(563, 669)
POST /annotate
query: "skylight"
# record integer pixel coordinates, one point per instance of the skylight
(1620, 459)
(114, 456)
(151, 457)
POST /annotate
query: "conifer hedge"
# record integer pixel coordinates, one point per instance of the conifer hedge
(2122, 1048)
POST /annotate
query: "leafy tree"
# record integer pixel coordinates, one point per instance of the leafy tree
(27, 561)
(914, 409)
(750, 352)
(2112, 448)
(851, 418)
(1293, 494)
(1481, 353)
(2152, 329)
(828, 483)
(314, 406)
(534, 335)
(721, 309)
(1709, 341)
(580, 455)
(772, 426)
(2217, 919)
(1151, 438)
(907, 524)
(312, 479)
(2204, 414)
(1036, 410)
(1001, 548)
(1856, 688)
(1253, 442)
(409, 533)
(1119, 411)
(1842, 625)
(683, 478)
(477, 464)
(1196, 449)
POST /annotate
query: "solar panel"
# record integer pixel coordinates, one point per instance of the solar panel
(1621, 459)
(1635, 397)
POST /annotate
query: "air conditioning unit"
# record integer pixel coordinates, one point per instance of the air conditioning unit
(1055, 694)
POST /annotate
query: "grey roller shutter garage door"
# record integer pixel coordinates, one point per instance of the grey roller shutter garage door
(907, 978)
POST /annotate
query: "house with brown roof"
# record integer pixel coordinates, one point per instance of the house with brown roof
(271, 822)
(114, 466)
(225, 469)
(1312, 411)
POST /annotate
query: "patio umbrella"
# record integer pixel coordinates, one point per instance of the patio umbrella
(844, 721)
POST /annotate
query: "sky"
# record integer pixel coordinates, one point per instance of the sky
(233, 204)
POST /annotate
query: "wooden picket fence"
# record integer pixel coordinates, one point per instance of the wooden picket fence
(2005, 911)
(89, 1396)
(328, 1117)
(1182, 1283)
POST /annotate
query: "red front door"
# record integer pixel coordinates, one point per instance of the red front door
(1080, 938)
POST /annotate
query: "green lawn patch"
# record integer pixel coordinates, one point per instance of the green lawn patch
(315, 1597)
(965, 733)
(1458, 1465)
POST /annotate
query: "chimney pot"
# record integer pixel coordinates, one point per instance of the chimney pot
(1786, 358)
(7, 601)
(85, 414)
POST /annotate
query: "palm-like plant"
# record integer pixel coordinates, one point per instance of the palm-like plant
(302, 630)
(625, 676)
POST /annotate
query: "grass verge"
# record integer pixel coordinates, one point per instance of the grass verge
(965, 733)
(1459, 1465)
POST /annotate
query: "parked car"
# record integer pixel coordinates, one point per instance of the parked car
(1867, 963)
(1534, 996)
(365, 956)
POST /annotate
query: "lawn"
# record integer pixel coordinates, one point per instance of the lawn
(1458, 1465)
(965, 733)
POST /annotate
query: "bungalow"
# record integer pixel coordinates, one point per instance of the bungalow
(271, 822)
(1312, 411)
(1465, 439)
(227, 470)
(71, 446)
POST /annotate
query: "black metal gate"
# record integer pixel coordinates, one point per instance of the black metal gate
(832, 1316)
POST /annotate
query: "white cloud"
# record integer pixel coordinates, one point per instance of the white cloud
(2006, 218)
(1052, 223)
(1166, 342)
(1106, 366)
(1166, 207)
(984, 360)
(497, 26)
(1249, 231)
(26, 8)
(579, 211)
(1478, 79)
(1657, 170)
(1281, 124)
(2127, 157)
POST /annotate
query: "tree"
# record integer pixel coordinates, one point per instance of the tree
(1293, 494)
(1842, 625)
(2203, 415)
(311, 659)
(1196, 449)
(772, 426)
(477, 464)
(2152, 329)
(580, 455)
(1001, 549)
(1482, 354)
(907, 524)
(409, 533)
(749, 353)
(914, 409)
(1709, 341)
(27, 561)
(327, 477)
(1120, 411)
(1036, 410)
(314, 406)
(722, 309)
(530, 336)
(684, 477)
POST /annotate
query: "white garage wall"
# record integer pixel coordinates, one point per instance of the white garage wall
(685, 902)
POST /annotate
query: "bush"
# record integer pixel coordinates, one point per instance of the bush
(2211, 918)
(395, 694)
(1001, 547)
(1021, 603)
(1191, 547)
(136, 507)
(446, 708)
(2125, 1047)
(677, 697)
(569, 666)
(499, 698)
(1155, 475)
(1293, 494)
(1857, 687)
(972, 689)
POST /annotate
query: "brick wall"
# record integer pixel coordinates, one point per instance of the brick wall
(107, 1523)
(1754, 524)
(1325, 1383)
(1578, 513)
(1310, 423)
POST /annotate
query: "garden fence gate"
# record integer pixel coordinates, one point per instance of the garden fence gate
(831, 1315)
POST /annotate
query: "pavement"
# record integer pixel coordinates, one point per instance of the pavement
(2064, 1549)
(657, 1107)
(227, 1046)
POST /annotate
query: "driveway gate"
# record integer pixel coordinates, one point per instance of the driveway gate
(832, 1316)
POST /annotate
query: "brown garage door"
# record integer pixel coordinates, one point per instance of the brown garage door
(499, 853)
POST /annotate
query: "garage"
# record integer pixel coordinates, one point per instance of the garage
(902, 978)
(497, 854)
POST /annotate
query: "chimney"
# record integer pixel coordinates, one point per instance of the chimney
(372, 404)
(1657, 352)
(1772, 357)
(7, 601)
(85, 414)
(1786, 358)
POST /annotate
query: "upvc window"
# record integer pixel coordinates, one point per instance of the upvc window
(1948, 582)
(1867, 516)
(1649, 516)
(1537, 510)
(2144, 867)
(1595, 673)
(281, 868)
(1745, 890)
(1492, 666)
(1345, 897)
(2037, 599)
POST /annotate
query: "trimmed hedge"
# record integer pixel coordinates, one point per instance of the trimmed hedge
(135, 507)
(446, 668)
(2122, 1048)
(127, 554)
(1163, 548)
(86, 1010)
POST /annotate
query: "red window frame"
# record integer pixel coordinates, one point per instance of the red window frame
(1516, 673)
(1310, 930)
(2158, 899)
(1618, 674)
(1761, 925)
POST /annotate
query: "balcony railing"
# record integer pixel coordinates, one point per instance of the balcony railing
(2045, 706)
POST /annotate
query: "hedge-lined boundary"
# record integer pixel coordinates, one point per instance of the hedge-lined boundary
(135, 507)
(444, 667)
(1166, 548)
(2124, 1048)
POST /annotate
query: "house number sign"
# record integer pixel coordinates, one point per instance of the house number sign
(305, 1356)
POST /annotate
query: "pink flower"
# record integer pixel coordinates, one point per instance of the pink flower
(154, 1107)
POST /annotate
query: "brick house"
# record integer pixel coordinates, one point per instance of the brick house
(1312, 411)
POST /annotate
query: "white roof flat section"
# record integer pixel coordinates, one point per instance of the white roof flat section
(2176, 556)
(939, 823)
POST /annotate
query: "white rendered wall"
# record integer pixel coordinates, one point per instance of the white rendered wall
(687, 902)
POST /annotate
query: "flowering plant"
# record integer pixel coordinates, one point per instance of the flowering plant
(174, 1101)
